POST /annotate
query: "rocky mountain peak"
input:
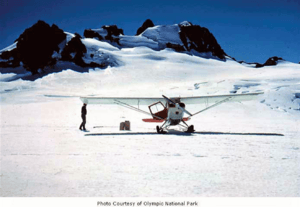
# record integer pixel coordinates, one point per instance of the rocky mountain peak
(148, 23)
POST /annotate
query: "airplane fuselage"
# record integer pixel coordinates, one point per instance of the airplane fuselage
(175, 114)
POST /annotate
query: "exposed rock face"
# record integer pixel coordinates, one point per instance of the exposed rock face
(185, 37)
(258, 65)
(109, 33)
(35, 47)
(88, 33)
(37, 44)
(113, 30)
(74, 51)
(148, 23)
(12, 59)
(200, 39)
(176, 47)
(272, 61)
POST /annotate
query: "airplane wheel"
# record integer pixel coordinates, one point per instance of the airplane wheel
(190, 129)
(160, 131)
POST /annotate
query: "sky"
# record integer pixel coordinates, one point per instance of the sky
(249, 30)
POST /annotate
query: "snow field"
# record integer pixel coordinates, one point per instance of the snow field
(43, 153)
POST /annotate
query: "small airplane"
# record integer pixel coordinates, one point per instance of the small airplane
(172, 112)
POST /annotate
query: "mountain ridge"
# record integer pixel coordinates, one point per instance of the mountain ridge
(41, 45)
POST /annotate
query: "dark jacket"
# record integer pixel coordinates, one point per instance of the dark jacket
(83, 111)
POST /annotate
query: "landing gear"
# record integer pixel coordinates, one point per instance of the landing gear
(190, 129)
(160, 130)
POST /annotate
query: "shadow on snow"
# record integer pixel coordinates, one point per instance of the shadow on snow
(179, 133)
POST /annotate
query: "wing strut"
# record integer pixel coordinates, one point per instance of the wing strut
(216, 104)
(135, 109)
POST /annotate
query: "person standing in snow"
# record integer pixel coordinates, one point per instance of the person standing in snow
(83, 116)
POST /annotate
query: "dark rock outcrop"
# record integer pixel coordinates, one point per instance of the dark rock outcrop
(112, 34)
(74, 51)
(258, 65)
(37, 44)
(88, 33)
(176, 47)
(113, 30)
(35, 47)
(200, 39)
(272, 61)
(148, 23)
(11, 59)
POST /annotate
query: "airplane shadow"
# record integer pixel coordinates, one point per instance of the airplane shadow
(232, 133)
(137, 133)
(180, 133)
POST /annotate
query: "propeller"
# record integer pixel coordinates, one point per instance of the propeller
(183, 109)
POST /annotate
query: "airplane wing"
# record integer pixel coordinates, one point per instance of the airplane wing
(126, 100)
(218, 98)
(186, 100)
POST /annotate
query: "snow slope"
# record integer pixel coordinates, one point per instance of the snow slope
(154, 38)
(163, 34)
(44, 154)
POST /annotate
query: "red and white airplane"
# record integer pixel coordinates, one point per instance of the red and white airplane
(172, 112)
